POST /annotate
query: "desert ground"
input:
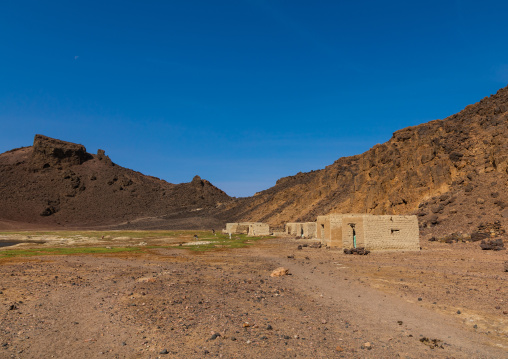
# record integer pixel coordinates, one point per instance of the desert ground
(168, 295)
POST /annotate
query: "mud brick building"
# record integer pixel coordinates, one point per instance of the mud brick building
(249, 228)
(301, 229)
(386, 232)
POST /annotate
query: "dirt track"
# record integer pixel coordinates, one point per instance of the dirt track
(225, 304)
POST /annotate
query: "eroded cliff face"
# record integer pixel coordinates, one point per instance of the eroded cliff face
(463, 158)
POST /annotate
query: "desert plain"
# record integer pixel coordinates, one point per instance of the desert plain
(160, 294)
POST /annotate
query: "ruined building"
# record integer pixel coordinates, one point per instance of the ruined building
(303, 230)
(249, 228)
(385, 232)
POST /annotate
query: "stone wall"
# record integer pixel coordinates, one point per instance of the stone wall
(304, 230)
(259, 229)
(392, 232)
(249, 228)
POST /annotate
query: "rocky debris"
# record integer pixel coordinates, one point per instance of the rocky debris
(359, 251)
(432, 343)
(493, 244)
(493, 229)
(316, 245)
(281, 271)
(478, 236)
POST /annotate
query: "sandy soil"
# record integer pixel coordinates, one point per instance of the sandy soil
(177, 303)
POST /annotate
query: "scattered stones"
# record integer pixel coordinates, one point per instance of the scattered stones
(279, 272)
(432, 343)
(494, 244)
(358, 251)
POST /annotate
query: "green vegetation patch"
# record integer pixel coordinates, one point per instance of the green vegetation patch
(220, 241)
(64, 251)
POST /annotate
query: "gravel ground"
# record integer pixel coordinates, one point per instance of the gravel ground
(446, 301)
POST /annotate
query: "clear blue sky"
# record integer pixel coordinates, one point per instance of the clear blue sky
(241, 92)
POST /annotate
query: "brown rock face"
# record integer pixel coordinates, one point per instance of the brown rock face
(49, 152)
(58, 184)
(452, 173)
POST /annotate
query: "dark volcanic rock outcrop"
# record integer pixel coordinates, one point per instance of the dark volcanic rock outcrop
(56, 183)
(49, 152)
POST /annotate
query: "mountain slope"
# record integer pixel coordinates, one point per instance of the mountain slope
(57, 183)
(452, 173)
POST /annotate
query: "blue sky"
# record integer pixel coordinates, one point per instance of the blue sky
(241, 92)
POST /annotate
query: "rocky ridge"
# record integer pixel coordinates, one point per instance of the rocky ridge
(57, 183)
(452, 173)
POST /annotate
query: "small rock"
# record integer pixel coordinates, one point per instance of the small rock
(459, 312)
(367, 346)
(339, 348)
(281, 271)
(269, 327)
(420, 299)
(299, 247)
(399, 322)
(164, 351)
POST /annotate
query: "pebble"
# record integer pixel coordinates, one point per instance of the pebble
(459, 312)
(165, 351)
(269, 327)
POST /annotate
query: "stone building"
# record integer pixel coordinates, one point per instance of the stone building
(303, 230)
(386, 232)
(248, 228)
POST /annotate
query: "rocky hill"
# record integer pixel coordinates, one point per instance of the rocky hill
(58, 184)
(452, 173)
